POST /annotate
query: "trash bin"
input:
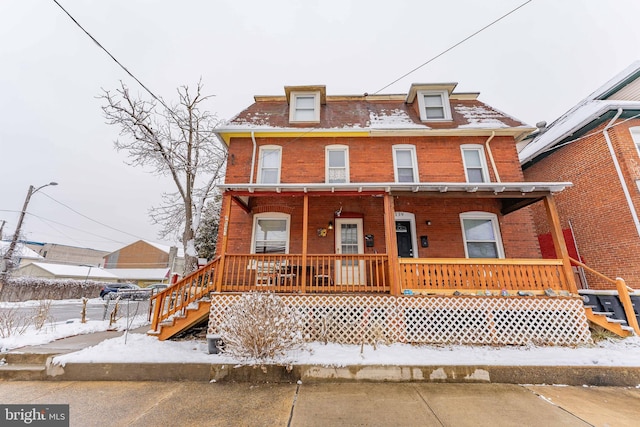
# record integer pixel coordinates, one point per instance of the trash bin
(592, 301)
(611, 304)
(214, 343)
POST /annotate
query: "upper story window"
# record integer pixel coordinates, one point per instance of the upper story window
(481, 235)
(405, 164)
(270, 233)
(434, 105)
(304, 107)
(337, 164)
(475, 164)
(269, 164)
(635, 134)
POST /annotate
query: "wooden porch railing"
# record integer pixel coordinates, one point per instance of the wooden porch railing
(315, 274)
(623, 294)
(465, 275)
(177, 297)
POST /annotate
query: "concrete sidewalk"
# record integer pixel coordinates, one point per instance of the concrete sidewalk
(329, 404)
(35, 363)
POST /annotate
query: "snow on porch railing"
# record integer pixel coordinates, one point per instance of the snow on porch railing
(177, 297)
(481, 274)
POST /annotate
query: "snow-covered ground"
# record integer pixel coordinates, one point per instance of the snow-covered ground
(143, 348)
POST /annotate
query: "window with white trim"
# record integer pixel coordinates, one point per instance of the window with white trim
(304, 107)
(405, 163)
(434, 105)
(269, 164)
(635, 135)
(481, 234)
(270, 233)
(337, 164)
(475, 163)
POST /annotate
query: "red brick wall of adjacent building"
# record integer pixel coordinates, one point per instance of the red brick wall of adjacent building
(596, 207)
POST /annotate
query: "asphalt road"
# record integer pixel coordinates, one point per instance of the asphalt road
(97, 309)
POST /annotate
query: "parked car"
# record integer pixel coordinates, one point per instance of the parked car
(127, 290)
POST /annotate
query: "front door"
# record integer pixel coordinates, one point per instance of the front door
(404, 239)
(349, 241)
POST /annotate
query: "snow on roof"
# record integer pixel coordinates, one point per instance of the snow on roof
(581, 114)
(65, 270)
(570, 123)
(392, 119)
(21, 251)
(158, 274)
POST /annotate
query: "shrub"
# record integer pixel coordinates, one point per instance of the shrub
(261, 326)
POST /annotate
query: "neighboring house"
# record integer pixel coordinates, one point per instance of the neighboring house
(147, 255)
(64, 271)
(408, 213)
(65, 254)
(596, 145)
(22, 254)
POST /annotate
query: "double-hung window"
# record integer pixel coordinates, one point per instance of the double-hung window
(269, 164)
(337, 164)
(405, 164)
(475, 164)
(304, 107)
(270, 233)
(434, 105)
(481, 235)
(635, 134)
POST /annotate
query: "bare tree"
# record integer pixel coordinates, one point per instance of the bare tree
(177, 141)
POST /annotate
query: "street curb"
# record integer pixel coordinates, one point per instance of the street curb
(200, 372)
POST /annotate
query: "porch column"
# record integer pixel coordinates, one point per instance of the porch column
(226, 211)
(558, 241)
(391, 243)
(305, 231)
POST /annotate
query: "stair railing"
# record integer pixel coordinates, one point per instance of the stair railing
(623, 294)
(176, 298)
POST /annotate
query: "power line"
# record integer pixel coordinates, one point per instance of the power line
(93, 220)
(454, 46)
(113, 57)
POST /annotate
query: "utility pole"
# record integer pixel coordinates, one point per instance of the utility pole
(6, 259)
(2, 228)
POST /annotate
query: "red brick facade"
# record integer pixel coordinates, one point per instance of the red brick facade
(606, 235)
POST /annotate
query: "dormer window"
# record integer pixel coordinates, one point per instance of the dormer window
(434, 105)
(304, 107)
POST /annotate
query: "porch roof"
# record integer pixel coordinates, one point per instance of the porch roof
(513, 195)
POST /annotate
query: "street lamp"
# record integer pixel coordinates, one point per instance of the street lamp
(6, 259)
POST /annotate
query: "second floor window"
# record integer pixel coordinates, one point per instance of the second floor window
(635, 135)
(270, 159)
(337, 164)
(404, 159)
(475, 165)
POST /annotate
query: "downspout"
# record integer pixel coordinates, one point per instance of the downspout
(623, 183)
(253, 156)
(493, 163)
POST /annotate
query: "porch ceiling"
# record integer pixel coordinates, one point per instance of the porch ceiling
(513, 195)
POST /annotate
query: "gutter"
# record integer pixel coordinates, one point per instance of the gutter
(623, 183)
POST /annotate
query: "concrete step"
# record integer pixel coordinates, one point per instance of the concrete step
(14, 358)
(22, 372)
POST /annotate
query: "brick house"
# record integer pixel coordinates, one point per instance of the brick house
(380, 201)
(596, 145)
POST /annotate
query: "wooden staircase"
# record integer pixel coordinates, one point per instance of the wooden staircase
(619, 327)
(184, 304)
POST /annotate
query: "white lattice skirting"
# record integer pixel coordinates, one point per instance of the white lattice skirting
(356, 319)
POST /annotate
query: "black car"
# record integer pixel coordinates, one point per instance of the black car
(112, 288)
